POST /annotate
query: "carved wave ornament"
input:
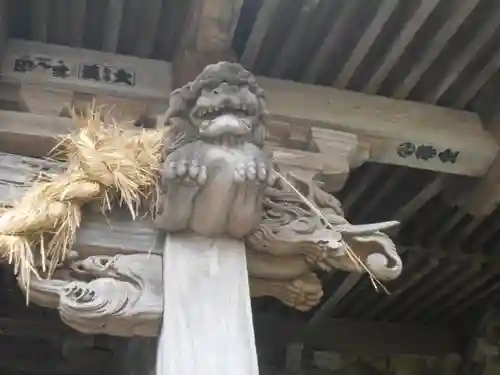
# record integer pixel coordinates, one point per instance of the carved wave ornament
(218, 181)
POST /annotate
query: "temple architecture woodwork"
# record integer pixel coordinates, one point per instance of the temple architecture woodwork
(213, 151)
(344, 128)
(322, 194)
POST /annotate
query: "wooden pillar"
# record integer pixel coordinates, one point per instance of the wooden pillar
(188, 63)
(206, 39)
(207, 321)
(207, 318)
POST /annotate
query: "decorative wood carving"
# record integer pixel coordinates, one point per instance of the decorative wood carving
(218, 182)
(215, 167)
(116, 295)
(292, 242)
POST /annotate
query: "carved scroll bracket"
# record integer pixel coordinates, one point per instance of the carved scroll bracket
(327, 156)
(120, 295)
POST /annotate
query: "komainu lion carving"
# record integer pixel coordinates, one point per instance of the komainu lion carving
(217, 181)
(214, 165)
(118, 295)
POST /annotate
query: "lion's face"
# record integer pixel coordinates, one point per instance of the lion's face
(225, 109)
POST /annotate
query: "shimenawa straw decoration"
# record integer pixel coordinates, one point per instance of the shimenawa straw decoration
(105, 162)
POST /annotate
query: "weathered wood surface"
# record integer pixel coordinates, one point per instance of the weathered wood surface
(210, 25)
(152, 83)
(333, 155)
(385, 124)
(207, 319)
(93, 73)
(116, 234)
(382, 124)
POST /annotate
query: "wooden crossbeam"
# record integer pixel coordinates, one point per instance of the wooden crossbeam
(66, 68)
(116, 234)
(332, 158)
(393, 129)
(395, 132)
(53, 77)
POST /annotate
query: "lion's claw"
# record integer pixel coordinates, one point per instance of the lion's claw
(186, 172)
(254, 171)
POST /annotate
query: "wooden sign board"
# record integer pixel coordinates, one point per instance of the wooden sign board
(82, 70)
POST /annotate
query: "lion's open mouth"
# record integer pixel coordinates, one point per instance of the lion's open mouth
(212, 112)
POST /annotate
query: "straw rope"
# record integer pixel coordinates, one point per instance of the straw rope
(105, 162)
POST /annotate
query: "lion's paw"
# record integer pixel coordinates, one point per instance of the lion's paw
(255, 171)
(185, 172)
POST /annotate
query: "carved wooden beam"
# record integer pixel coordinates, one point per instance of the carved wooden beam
(117, 234)
(398, 132)
(388, 131)
(331, 157)
(51, 75)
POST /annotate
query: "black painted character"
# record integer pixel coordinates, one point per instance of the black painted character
(406, 149)
(60, 70)
(448, 156)
(24, 64)
(122, 76)
(106, 73)
(44, 62)
(90, 71)
(425, 152)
